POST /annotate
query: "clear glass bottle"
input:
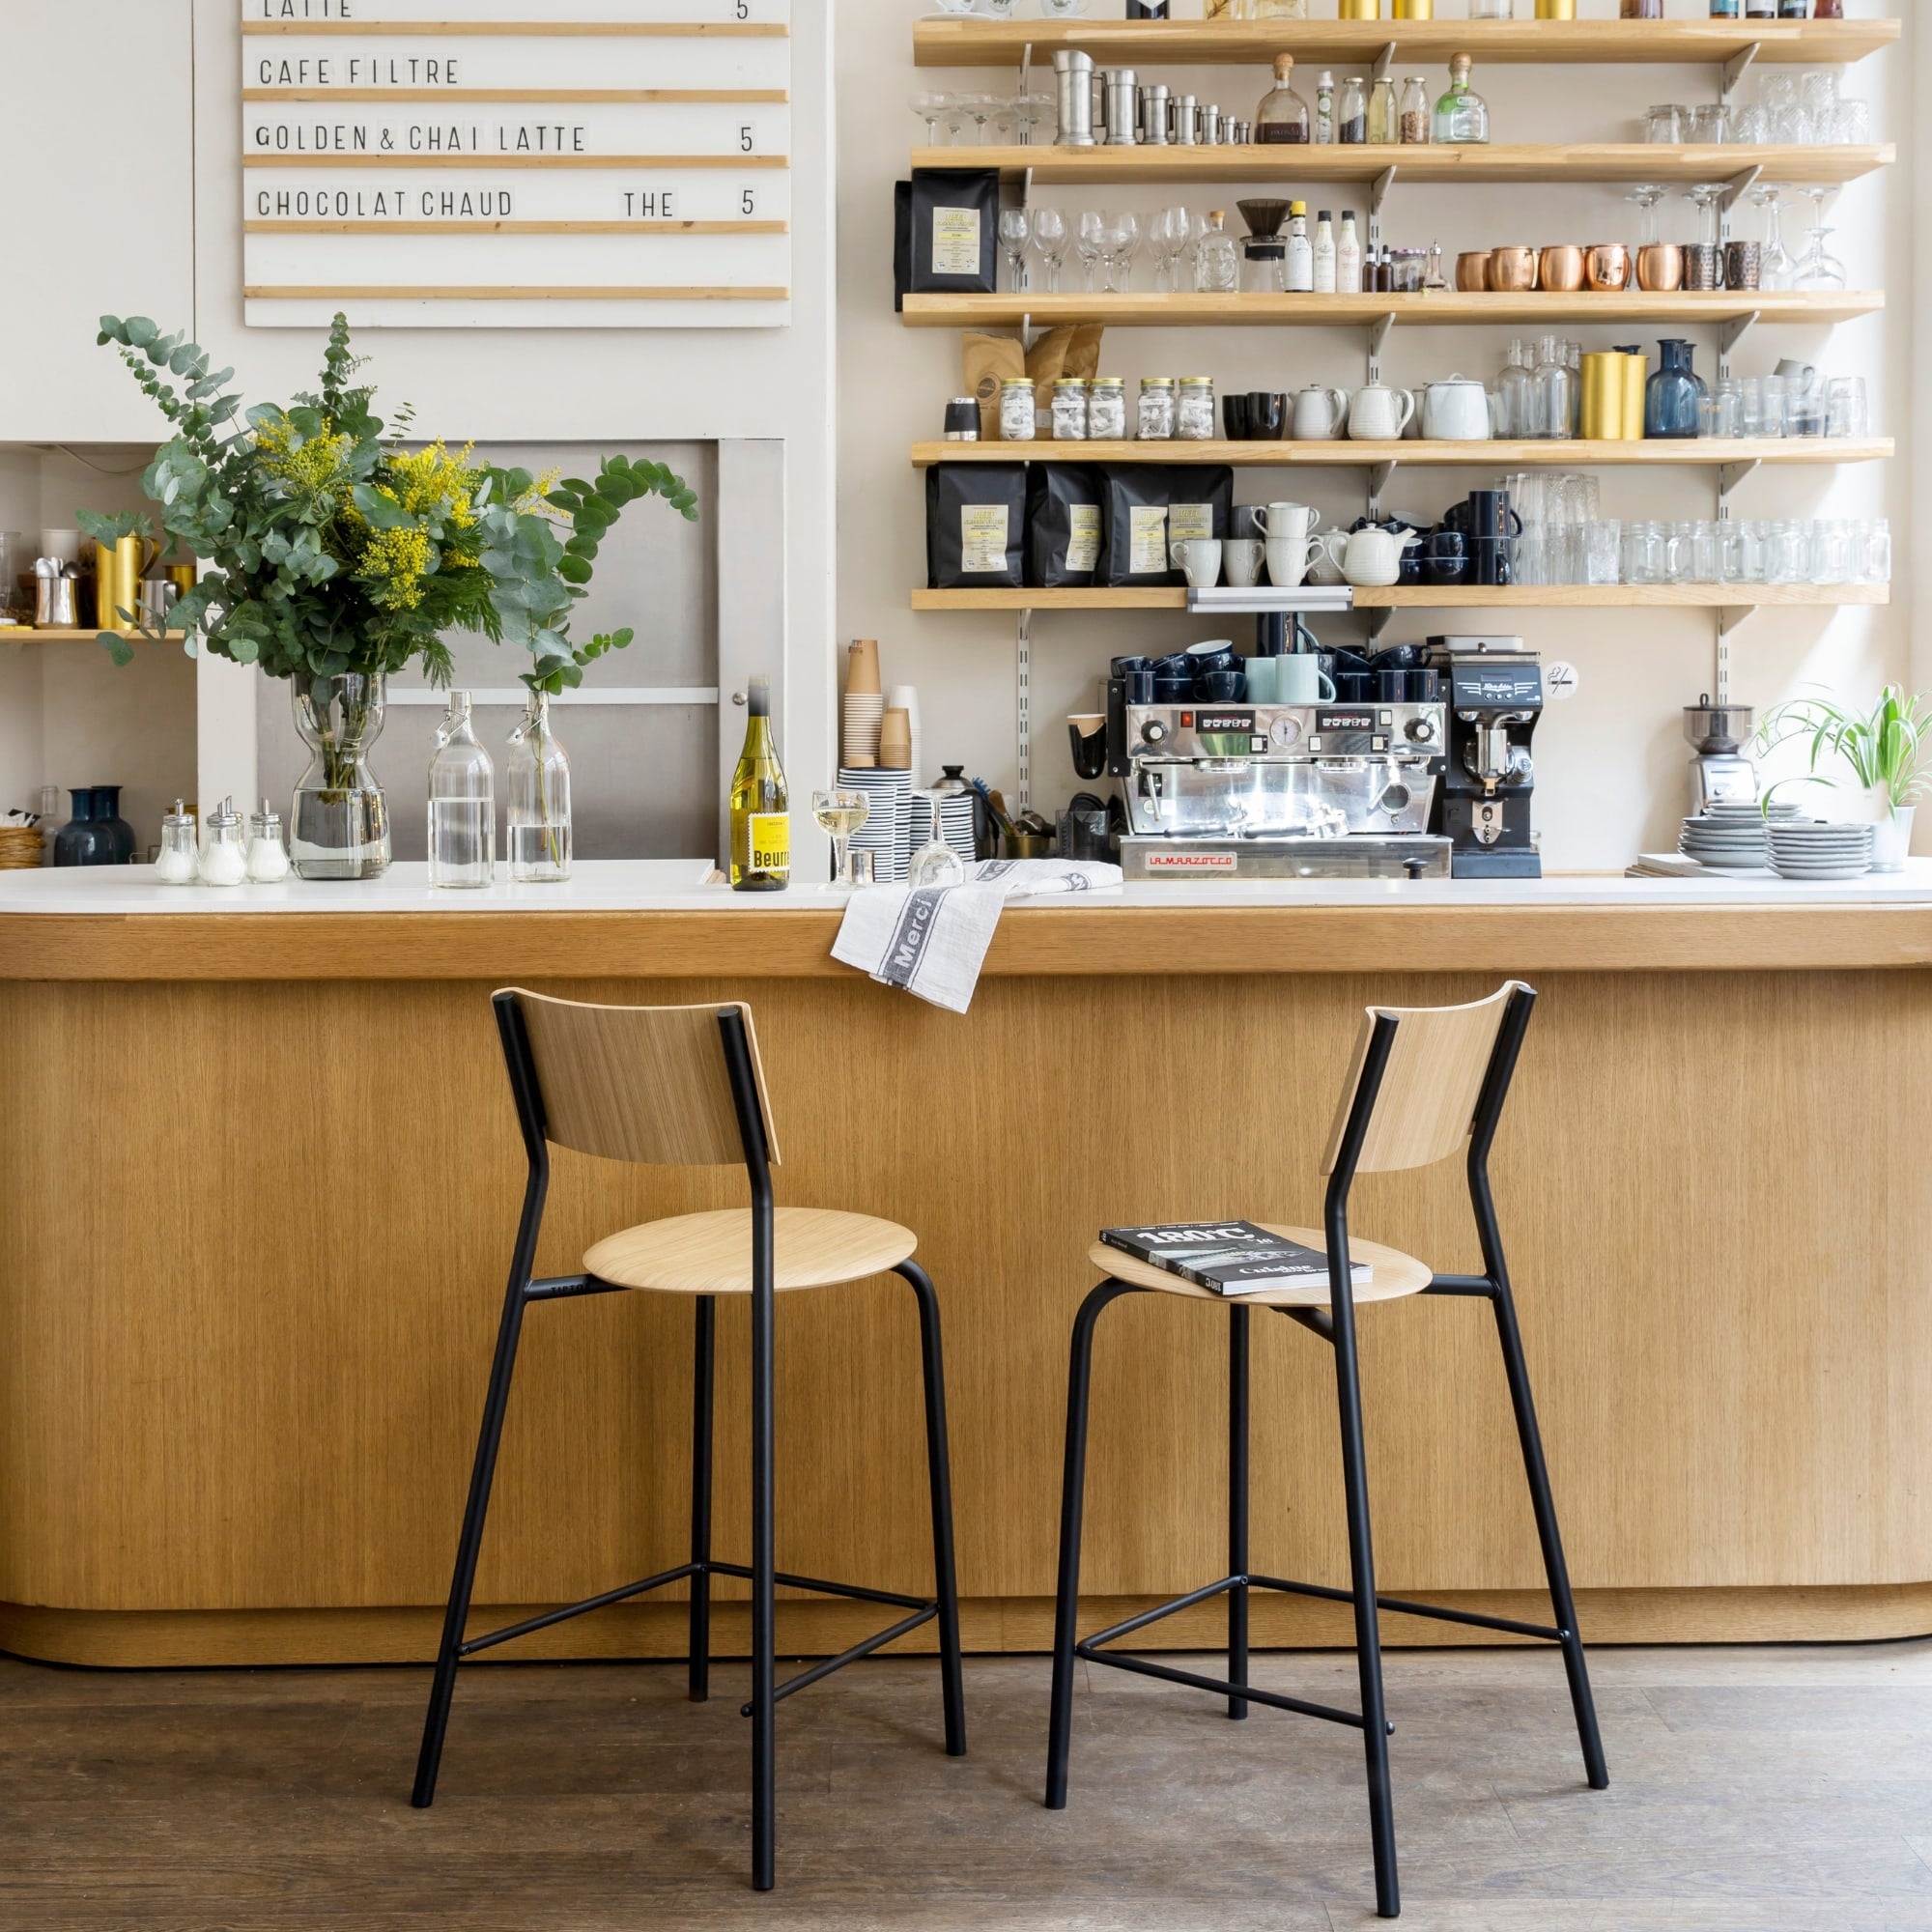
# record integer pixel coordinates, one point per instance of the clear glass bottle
(1384, 115)
(1517, 391)
(536, 815)
(1348, 257)
(462, 803)
(1324, 112)
(224, 850)
(179, 861)
(760, 803)
(268, 855)
(1283, 115)
(1555, 386)
(1461, 115)
(1352, 119)
(1217, 267)
(1414, 114)
(1573, 357)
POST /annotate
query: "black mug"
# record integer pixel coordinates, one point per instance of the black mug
(1425, 687)
(1267, 412)
(1399, 657)
(1087, 736)
(1445, 557)
(1354, 687)
(1491, 560)
(1234, 417)
(1220, 687)
(1490, 516)
(1172, 690)
(1137, 686)
(1201, 660)
(1392, 686)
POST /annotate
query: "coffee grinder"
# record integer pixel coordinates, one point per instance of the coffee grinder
(1722, 770)
(1493, 690)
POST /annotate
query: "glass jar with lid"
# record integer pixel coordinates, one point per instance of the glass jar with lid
(1385, 115)
(268, 855)
(1107, 409)
(1194, 416)
(179, 861)
(224, 850)
(1016, 409)
(1412, 121)
(1069, 409)
(1155, 421)
(1216, 265)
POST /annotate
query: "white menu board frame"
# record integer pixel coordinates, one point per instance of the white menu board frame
(517, 163)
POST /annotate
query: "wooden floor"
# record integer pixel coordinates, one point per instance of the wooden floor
(1753, 1790)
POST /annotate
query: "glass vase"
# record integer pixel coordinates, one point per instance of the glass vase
(340, 825)
(537, 810)
(1674, 397)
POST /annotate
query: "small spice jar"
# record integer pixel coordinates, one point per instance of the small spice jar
(1016, 418)
(179, 861)
(1069, 409)
(1154, 422)
(1107, 409)
(1414, 126)
(1194, 416)
(268, 856)
(224, 851)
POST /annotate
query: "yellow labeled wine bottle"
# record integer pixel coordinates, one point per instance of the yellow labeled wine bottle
(761, 805)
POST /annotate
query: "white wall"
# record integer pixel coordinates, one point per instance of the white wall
(1612, 762)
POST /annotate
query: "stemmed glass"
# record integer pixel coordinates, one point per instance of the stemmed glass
(1646, 195)
(1015, 231)
(1774, 263)
(979, 109)
(935, 863)
(1049, 236)
(929, 107)
(840, 816)
(1168, 237)
(1088, 247)
(1121, 242)
(1819, 268)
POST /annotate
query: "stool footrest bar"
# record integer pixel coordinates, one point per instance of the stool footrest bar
(821, 1588)
(544, 1622)
(1219, 1686)
(1166, 1610)
(865, 1647)
(1317, 1320)
(1478, 1285)
(1403, 1606)
(566, 1286)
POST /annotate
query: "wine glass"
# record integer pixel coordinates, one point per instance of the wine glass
(935, 863)
(979, 109)
(1818, 267)
(1775, 264)
(1087, 244)
(1168, 237)
(1015, 231)
(1049, 236)
(929, 107)
(1121, 242)
(840, 814)
(1646, 195)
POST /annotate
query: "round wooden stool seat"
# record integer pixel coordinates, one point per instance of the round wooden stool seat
(711, 1254)
(1392, 1274)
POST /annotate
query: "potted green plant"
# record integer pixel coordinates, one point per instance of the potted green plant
(1885, 749)
(333, 553)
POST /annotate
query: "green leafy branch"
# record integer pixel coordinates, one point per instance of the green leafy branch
(1887, 748)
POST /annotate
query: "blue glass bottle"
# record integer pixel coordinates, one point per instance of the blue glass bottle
(1674, 395)
(84, 840)
(119, 834)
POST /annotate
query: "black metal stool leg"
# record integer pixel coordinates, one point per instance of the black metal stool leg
(764, 1703)
(1238, 1503)
(939, 1479)
(1362, 1570)
(1554, 1567)
(481, 1475)
(703, 1379)
(1072, 1493)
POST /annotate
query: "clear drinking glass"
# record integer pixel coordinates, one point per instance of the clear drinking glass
(462, 803)
(1771, 412)
(1087, 245)
(1664, 124)
(537, 808)
(1705, 563)
(1850, 123)
(1049, 238)
(1707, 126)
(839, 815)
(1834, 552)
(1643, 545)
(1121, 242)
(1603, 552)
(1875, 550)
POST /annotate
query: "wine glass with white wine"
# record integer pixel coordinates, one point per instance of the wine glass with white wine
(840, 814)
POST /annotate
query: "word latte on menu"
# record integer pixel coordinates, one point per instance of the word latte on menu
(348, 137)
(304, 10)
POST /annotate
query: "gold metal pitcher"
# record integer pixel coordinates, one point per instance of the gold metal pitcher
(117, 580)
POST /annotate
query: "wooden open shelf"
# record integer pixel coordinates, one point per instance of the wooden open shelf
(1706, 451)
(31, 634)
(1443, 308)
(985, 42)
(1423, 163)
(1452, 597)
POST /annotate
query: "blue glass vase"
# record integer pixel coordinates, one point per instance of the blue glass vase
(119, 834)
(84, 840)
(1673, 396)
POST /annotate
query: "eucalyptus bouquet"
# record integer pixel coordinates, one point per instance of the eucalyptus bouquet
(331, 549)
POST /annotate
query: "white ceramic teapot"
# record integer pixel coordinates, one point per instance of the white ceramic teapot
(1371, 559)
(1319, 414)
(1456, 410)
(1379, 413)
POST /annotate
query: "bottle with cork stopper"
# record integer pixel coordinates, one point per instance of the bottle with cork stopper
(1283, 115)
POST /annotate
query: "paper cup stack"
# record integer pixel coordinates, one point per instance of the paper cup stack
(903, 697)
(864, 705)
(886, 794)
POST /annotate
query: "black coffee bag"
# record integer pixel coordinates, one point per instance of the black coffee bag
(945, 238)
(974, 520)
(1066, 525)
(1149, 508)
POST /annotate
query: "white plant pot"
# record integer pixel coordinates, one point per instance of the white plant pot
(1891, 828)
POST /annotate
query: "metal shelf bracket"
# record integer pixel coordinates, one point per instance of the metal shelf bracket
(1378, 335)
(1735, 67)
(1023, 706)
(1729, 617)
(1737, 186)
(1378, 621)
(1385, 60)
(1729, 335)
(1729, 476)
(1379, 193)
(1379, 481)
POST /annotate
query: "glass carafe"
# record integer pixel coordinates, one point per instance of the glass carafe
(1555, 388)
(1674, 397)
(1517, 390)
(340, 825)
(462, 803)
(537, 805)
(1217, 267)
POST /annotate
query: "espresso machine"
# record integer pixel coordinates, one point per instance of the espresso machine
(1276, 791)
(1721, 771)
(1495, 692)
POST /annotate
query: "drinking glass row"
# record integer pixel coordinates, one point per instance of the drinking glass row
(1604, 551)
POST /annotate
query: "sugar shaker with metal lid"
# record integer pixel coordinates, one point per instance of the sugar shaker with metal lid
(962, 420)
(179, 861)
(224, 850)
(268, 856)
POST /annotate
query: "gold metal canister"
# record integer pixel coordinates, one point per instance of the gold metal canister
(1637, 372)
(1360, 9)
(1555, 10)
(1603, 397)
(1415, 10)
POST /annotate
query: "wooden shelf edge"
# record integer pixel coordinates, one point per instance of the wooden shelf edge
(29, 634)
(1454, 597)
(1787, 451)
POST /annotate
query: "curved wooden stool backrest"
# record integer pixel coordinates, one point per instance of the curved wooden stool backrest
(656, 1085)
(1423, 1078)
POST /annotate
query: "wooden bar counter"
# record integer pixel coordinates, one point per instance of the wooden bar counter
(257, 1208)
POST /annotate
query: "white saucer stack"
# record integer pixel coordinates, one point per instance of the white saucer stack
(1811, 848)
(1728, 835)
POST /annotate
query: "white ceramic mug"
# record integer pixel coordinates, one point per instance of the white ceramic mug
(1799, 376)
(1379, 413)
(1289, 558)
(1324, 568)
(1241, 561)
(1299, 679)
(1200, 557)
(1284, 520)
(1370, 559)
(1456, 410)
(1318, 415)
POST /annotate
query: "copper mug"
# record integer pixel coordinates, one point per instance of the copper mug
(1472, 272)
(1512, 270)
(1561, 269)
(1659, 268)
(1608, 266)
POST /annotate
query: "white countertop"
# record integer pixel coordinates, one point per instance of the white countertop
(678, 885)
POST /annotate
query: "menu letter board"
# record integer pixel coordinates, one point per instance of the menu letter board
(517, 163)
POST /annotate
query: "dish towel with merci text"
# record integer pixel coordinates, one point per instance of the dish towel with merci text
(932, 940)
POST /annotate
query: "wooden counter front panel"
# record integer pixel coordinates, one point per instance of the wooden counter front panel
(254, 1241)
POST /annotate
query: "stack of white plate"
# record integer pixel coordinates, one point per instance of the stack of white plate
(1809, 848)
(865, 711)
(1728, 835)
(886, 794)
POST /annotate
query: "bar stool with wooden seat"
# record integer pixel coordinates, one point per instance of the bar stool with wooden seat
(1425, 1083)
(683, 1087)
